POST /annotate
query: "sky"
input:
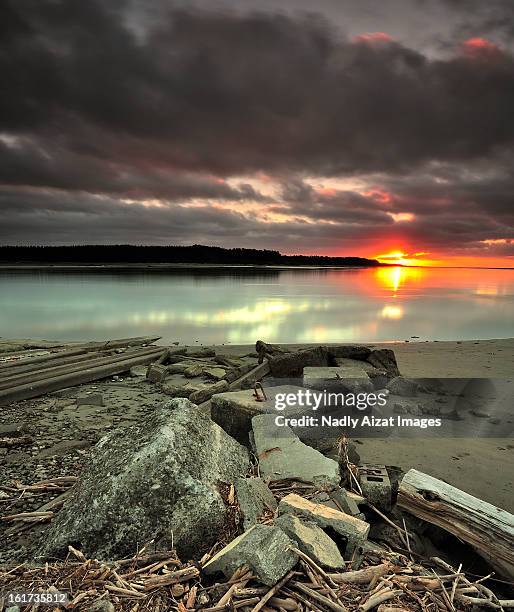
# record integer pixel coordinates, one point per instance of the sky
(360, 127)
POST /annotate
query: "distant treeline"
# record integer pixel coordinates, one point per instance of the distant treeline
(198, 254)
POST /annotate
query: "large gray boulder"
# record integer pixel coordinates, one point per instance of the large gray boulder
(156, 480)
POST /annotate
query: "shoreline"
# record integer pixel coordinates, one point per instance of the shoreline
(483, 467)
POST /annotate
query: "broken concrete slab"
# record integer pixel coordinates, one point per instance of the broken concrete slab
(265, 549)
(403, 387)
(138, 371)
(254, 499)
(291, 365)
(156, 372)
(339, 500)
(352, 379)
(234, 410)
(311, 540)
(156, 478)
(201, 353)
(350, 351)
(376, 485)
(384, 359)
(352, 530)
(215, 373)
(282, 454)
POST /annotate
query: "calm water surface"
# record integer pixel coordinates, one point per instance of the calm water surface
(240, 306)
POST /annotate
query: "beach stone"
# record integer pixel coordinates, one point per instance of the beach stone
(352, 530)
(13, 430)
(90, 399)
(178, 368)
(350, 351)
(156, 479)
(338, 378)
(254, 499)
(311, 540)
(282, 454)
(234, 410)
(264, 548)
(291, 365)
(193, 370)
(138, 371)
(384, 359)
(214, 373)
(403, 387)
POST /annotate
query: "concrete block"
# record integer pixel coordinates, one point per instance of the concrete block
(352, 531)
(339, 500)
(283, 455)
(156, 373)
(265, 549)
(311, 540)
(376, 485)
(234, 410)
(254, 499)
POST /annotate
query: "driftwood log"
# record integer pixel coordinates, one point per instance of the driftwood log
(487, 528)
(110, 367)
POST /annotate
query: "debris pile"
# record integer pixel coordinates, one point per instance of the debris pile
(201, 506)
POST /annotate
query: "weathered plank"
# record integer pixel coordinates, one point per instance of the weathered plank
(85, 375)
(490, 530)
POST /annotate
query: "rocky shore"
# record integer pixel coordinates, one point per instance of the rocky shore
(175, 470)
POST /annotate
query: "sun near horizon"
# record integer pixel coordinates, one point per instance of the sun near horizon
(427, 259)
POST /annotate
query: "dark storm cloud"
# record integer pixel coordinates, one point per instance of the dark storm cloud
(234, 93)
(98, 107)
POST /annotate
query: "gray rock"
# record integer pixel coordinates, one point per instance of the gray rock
(350, 351)
(13, 430)
(384, 359)
(265, 549)
(311, 540)
(138, 371)
(90, 399)
(352, 530)
(282, 455)
(193, 370)
(101, 605)
(154, 480)
(403, 387)
(254, 499)
(291, 364)
(214, 373)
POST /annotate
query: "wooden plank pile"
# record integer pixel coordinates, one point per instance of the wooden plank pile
(35, 376)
